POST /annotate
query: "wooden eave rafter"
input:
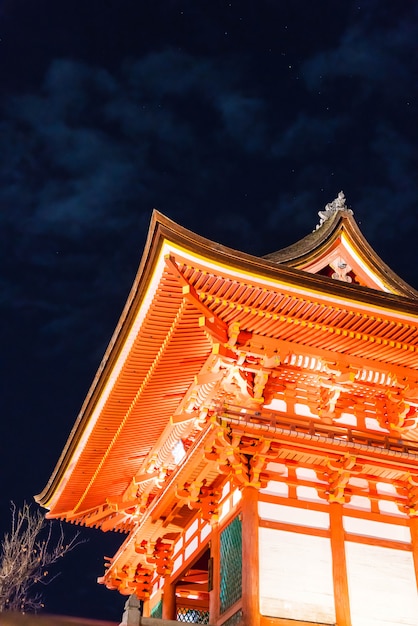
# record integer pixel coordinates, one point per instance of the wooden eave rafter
(160, 518)
(226, 286)
(137, 412)
(197, 351)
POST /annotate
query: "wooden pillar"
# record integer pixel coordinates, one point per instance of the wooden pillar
(413, 525)
(215, 590)
(146, 608)
(339, 565)
(169, 601)
(250, 557)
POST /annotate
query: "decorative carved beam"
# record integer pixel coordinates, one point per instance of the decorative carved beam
(140, 484)
(245, 461)
(345, 368)
(397, 411)
(197, 495)
(137, 580)
(338, 474)
(157, 554)
(411, 489)
(313, 437)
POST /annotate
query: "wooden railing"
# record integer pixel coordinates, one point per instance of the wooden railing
(273, 420)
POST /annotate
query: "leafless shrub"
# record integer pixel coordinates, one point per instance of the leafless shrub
(27, 551)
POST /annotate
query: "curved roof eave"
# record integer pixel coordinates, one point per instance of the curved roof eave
(143, 274)
(282, 264)
(300, 253)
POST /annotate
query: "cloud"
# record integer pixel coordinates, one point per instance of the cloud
(232, 155)
(392, 198)
(172, 72)
(241, 137)
(90, 153)
(243, 119)
(89, 139)
(373, 55)
(309, 135)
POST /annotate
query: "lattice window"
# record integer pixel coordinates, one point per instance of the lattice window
(234, 620)
(192, 616)
(231, 565)
(157, 610)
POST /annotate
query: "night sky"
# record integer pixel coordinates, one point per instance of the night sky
(238, 119)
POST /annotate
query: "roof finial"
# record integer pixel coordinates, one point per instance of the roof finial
(339, 204)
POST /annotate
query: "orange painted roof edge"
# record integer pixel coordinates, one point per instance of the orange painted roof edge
(277, 265)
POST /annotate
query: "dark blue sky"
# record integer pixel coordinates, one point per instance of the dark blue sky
(238, 119)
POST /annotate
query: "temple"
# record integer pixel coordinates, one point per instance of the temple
(252, 430)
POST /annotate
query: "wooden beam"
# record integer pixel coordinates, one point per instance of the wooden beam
(280, 621)
(339, 565)
(215, 328)
(326, 440)
(312, 326)
(250, 557)
(268, 347)
(413, 525)
(214, 591)
(191, 295)
(169, 600)
(181, 418)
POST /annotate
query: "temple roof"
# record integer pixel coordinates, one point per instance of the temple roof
(337, 240)
(195, 304)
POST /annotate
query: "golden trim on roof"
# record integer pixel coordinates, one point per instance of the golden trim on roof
(199, 311)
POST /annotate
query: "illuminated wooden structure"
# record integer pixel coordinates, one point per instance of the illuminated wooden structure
(252, 428)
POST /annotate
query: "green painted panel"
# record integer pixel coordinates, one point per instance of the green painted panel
(157, 611)
(231, 564)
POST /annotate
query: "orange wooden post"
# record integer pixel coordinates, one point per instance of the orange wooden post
(339, 565)
(250, 557)
(146, 608)
(215, 571)
(413, 525)
(169, 601)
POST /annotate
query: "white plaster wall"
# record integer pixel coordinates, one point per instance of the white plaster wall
(296, 576)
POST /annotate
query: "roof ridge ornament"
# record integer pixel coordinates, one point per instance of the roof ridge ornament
(339, 204)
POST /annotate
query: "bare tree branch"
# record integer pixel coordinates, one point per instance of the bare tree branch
(27, 551)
